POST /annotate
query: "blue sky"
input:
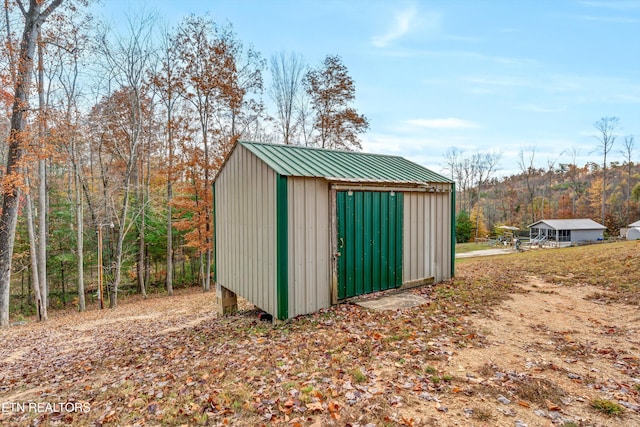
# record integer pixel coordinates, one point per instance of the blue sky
(478, 75)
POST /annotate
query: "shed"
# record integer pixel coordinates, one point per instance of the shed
(570, 231)
(633, 232)
(298, 229)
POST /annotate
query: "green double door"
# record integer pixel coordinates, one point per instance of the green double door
(369, 241)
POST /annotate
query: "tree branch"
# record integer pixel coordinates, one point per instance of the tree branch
(49, 9)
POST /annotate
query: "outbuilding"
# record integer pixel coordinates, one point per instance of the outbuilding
(565, 231)
(298, 229)
(633, 231)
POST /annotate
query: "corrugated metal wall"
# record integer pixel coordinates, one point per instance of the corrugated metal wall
(246, 236)
(427, 235)
(370, 235)
(309, 247)
(246, 252)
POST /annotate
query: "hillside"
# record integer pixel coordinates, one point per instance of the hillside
(561, 190)
(531, 337)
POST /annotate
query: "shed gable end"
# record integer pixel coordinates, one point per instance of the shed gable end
(245, 210)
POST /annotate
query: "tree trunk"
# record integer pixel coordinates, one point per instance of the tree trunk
(628, 205)
(41, 308)
(139, 178)
(80, 240)
(42, 187)
(147, 266)
(206, 285)
(479, 210)
(122, 231)
(146, 196)
(604, 189)
(169, 279)
(207, 280)
(201, 271)
(142, 260)
(34, 17)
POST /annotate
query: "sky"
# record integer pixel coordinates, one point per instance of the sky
(474, 75)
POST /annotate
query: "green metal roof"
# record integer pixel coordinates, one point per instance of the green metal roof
(292, 160)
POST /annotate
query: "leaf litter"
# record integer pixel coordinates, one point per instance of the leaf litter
(494, 346)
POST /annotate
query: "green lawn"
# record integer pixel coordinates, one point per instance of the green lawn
(468, 247)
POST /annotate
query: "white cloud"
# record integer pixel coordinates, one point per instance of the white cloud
(498, 81)
(609, 19)
(402, 24)
(622, 98)
(428, 152)
(446, 123)
(613, 5)
(541, 109)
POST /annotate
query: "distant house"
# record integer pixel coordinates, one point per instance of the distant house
(633, 231)
(298, 229)
(568, 231)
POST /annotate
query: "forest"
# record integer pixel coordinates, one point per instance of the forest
(607, 192)
(110, 141)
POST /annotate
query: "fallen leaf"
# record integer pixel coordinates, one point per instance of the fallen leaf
(551, 406)
(315, 406)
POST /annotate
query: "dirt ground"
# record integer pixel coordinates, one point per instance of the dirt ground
(547, 343)
(588, 349)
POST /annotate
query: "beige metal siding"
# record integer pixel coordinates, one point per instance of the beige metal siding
(427, 235)
(309, 248)
(246, 233)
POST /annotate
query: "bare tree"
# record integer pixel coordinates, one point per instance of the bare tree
(455, 166)
(168, 86)
(42, 180)
(606, 127)
(72, 142)
(471, 172)
(550, 173)
(332, 90)
(627, 152)
(56, 76)
(243, 99)
(127, 60)
(41, 307)
(486, 165)
(287, 72)
(525, 162)
(34, 17)
(577, 187)
(68, 128)
(304, 117)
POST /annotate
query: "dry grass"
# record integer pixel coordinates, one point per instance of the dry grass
(610, 266)
(538, 391)
(481, 414)
(170, 361)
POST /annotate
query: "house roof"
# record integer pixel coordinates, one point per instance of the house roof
(635, 224)
(570, 224)
(334, 165)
